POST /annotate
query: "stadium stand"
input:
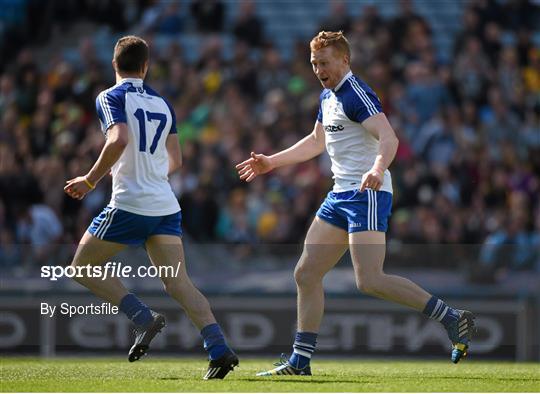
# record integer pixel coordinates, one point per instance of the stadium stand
(460, 84)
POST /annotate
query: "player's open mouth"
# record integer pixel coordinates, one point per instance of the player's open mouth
(324, 79)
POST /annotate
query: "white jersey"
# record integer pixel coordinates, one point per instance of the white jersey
(140, 176)
(351, 147)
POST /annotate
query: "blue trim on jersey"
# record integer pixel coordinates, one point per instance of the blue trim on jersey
(116, 225)
(359, 101)
(322, 96)
(100, 113)
(152, 92)
(354, 211)
(111, 103)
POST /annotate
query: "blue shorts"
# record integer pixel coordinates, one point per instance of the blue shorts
(354, 211)
(116, 225)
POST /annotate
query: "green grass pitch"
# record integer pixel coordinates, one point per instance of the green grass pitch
(184, 375)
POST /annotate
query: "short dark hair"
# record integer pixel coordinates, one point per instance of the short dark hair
(130, 54)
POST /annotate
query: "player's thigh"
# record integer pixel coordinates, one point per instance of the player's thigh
(167, 251)
(368, 249)
(95, 251)
(323, 247)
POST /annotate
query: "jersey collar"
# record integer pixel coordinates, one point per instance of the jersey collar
(349, 74)
(134, 81)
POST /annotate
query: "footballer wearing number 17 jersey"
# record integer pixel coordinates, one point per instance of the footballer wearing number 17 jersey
(141, 151)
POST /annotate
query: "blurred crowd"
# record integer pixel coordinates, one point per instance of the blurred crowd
(467, 170)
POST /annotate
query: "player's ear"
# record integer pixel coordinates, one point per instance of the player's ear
(114, 65)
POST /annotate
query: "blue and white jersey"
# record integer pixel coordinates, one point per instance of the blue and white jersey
(140, 176)
(351, 147)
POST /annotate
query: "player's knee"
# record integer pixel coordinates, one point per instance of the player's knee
(299, 276)
(364, 287)
(368, 285)
(306, 277)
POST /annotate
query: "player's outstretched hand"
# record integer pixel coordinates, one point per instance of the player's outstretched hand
(373, 179)
(77, 187)
(257, 164)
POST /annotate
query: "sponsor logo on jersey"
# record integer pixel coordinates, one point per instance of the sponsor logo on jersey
(333, 128)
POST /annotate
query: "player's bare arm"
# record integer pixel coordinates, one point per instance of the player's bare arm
(175, 153)
(117, 139)
(381, 129)
(307, 148)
